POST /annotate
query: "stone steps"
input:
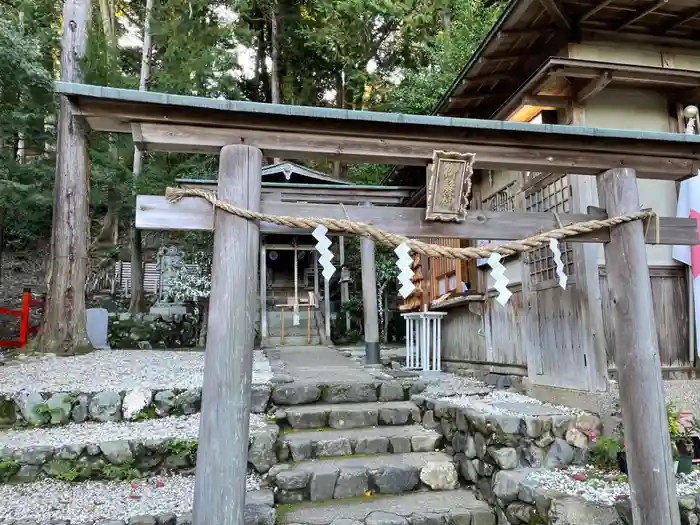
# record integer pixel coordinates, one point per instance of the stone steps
(459, 507)
(161, 501)
(305, 392)
(357, 476)
(301, 445)
(352, 415)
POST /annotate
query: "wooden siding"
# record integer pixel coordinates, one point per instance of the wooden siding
(486, 334)
(556, 338)
(670, 297)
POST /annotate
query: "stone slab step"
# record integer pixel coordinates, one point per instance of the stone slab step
(459, 507)
(369, 391)
(356, 476)
(162, 501)
(355, 415)
(301, 445)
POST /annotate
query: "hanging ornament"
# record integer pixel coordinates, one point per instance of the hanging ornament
(554, 246)
(404, 262)
(322, 247)
(498, 274)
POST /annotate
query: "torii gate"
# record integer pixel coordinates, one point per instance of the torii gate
(243, 132)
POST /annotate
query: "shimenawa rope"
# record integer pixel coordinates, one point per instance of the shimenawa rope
(393, 240)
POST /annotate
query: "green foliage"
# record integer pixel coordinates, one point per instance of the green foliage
(604, 452)
(184, 449)
(125, 471)
(147, 413)
(8, 468)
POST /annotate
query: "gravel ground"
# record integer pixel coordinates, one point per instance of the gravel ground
(175, 427)
(504, 395)
(116, 370)
(93, 500)
(603, 488)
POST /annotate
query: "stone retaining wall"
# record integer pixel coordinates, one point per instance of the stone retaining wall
(519, 499)
(145, 331)
(488, 437)
(122, 459)
(43, 409)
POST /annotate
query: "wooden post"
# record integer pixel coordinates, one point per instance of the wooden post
(317, 292)
(64, 328)
(369, 300)
(652, 480)
(263, 291)
(583, 193)
(222, 455)
(24, 318)
(327, 307)
(344, 286)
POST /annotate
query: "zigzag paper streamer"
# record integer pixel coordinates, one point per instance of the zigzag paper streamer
(405, 263)
(498, 274)
(322, 248)
(554, 246)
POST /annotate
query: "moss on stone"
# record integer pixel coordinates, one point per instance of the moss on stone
(7, 412)
(8, 468)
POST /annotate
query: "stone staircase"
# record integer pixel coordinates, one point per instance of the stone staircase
(357, 451)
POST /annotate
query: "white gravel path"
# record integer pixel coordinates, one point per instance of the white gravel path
(116, 370)
(93, 500)
(506, 396)
(603, 488)
(174, 427)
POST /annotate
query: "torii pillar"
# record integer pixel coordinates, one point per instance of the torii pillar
(369, 299)
(222, 453)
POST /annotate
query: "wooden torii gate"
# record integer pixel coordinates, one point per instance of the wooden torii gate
(243, 132)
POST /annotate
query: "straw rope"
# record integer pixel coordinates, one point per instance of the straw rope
(393, 240)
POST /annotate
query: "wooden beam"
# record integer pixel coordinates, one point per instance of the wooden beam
(594, 10)
(583, 157)
(594, 87)
(219, 494)
(471, 96)
(560, 19)
(607, 36)
(552, 101)
(641, 14)
(685, 17)
(493, 77)
(651, 473)
(508, 55)
(191, 213)
(319, 193)
(525, 31)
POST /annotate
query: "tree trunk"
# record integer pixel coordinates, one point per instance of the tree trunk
(138, 295)
(64, 326)
(339, 103)
(275, 91)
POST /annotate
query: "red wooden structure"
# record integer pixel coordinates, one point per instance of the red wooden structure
(24, 328)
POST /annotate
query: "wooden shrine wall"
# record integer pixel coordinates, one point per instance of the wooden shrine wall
(670, 297)
(486, 335)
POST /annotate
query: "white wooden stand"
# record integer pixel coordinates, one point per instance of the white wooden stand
(423, 345)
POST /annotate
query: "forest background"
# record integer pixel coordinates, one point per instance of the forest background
(375, 55)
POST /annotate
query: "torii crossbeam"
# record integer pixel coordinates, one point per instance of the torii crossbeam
(242, 132)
